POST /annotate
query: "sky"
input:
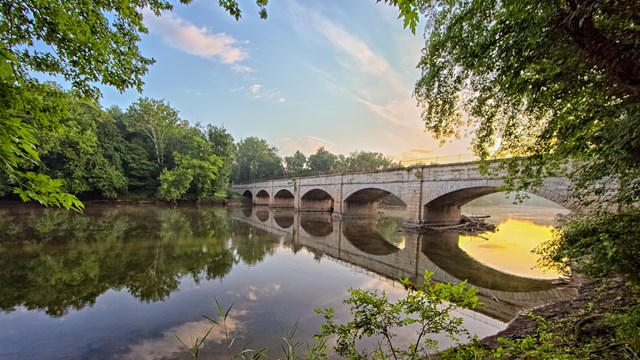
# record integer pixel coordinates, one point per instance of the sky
(330, 73)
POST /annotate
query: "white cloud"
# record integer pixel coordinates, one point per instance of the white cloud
(320, 141)
(258, 91)
(357, 49)
(168, 344)
(255, 88)
(397, 112)
(379, 78)
(353, 53)
(242, 68)
(198, 41)
(331, 84)
(254, 293)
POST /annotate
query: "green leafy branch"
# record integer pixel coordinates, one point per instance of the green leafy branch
(426, 307)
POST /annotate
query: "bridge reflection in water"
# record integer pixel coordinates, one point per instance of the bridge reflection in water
(381, 247)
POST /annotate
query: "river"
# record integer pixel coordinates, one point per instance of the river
(125, 282)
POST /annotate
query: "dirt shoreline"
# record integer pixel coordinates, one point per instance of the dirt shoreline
(594, 298)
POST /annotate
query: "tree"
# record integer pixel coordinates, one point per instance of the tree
(224, 148)
(542, 82)
(23, 111)
(367, 161)
(322, 162)
(295, 165)
(256, 160)
(196, 169)
(427, 308)
(156, 120)
(550, 86)
(88, 43)
(83, 150)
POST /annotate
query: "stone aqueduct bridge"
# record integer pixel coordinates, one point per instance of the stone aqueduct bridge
(433, 193)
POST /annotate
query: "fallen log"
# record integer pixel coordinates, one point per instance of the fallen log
(466, 224)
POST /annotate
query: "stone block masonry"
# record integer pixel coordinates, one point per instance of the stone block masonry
(432, 194)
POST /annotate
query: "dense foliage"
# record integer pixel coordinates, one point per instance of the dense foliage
(542, 82)
(257, 160)
(84, 44)
(147, 151)
(553, 86)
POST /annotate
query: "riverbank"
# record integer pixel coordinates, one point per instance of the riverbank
(601, 322)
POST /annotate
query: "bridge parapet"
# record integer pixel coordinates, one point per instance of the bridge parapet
(431, 193)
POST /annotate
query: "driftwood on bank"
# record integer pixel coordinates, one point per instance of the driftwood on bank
(466, 224)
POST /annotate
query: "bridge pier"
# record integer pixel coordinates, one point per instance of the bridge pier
(446, 214)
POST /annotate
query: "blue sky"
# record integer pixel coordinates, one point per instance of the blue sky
(330, 73)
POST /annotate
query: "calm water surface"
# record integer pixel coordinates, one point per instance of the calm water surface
(124, 282)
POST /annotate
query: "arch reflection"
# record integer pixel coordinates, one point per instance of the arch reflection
(316, 224)
(284, 219)
(375, 238)
(262, 214)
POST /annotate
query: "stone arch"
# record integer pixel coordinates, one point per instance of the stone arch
(393, 189)
(283, 199)
(261, 198)
(443, 205)
(316, 200)
(364, 200)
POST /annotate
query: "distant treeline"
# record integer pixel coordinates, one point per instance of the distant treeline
(257, 160)
(147, 151)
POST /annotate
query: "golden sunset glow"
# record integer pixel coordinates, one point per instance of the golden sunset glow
(509, 248)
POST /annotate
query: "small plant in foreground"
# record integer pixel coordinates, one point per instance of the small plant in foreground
(426, 307)
(198, 344)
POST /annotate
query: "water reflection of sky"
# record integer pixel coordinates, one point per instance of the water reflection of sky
(509, 249)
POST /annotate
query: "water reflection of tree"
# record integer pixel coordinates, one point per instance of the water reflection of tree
(391, 229)
(367, 236)
(252, 245)
(57, 260)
